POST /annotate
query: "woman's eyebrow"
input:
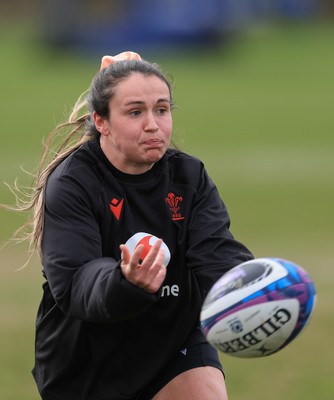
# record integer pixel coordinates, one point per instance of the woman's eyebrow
(140, 102)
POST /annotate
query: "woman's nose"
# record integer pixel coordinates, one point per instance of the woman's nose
(151, 123)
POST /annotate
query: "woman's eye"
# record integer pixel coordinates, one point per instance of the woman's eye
(135, 113)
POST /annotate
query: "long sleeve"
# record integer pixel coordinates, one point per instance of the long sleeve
(84, 284)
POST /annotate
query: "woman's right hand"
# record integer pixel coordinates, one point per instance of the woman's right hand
(148, 273)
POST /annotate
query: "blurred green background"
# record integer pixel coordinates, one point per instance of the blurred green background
(258, 111)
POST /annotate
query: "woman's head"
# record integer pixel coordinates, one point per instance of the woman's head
(105, 83)
(130, 106)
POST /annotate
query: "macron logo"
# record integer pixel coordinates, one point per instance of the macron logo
(116, 207)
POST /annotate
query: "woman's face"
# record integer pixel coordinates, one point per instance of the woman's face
(138, 130)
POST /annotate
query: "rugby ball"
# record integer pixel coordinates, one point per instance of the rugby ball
(147, 240)
(258, 307)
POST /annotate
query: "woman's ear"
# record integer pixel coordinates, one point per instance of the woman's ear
(101, 124)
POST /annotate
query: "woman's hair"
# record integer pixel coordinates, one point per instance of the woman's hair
(69, 136)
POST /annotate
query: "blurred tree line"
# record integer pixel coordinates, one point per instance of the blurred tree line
(98, 25)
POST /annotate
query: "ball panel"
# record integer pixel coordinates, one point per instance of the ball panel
(242, 281)
(256, 331)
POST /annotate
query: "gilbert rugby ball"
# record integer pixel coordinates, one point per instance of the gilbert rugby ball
(147, 240)
(258, 307)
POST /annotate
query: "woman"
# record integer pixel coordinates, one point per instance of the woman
(116, 322)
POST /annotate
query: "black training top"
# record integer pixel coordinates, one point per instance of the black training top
(98, 336)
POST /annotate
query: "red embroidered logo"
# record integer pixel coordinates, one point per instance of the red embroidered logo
(116, 207)
(173, 202)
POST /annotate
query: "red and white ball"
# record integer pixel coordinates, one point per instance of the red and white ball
(147, 240)
(258, 307)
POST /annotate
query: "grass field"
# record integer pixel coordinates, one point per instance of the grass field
(259, 113)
